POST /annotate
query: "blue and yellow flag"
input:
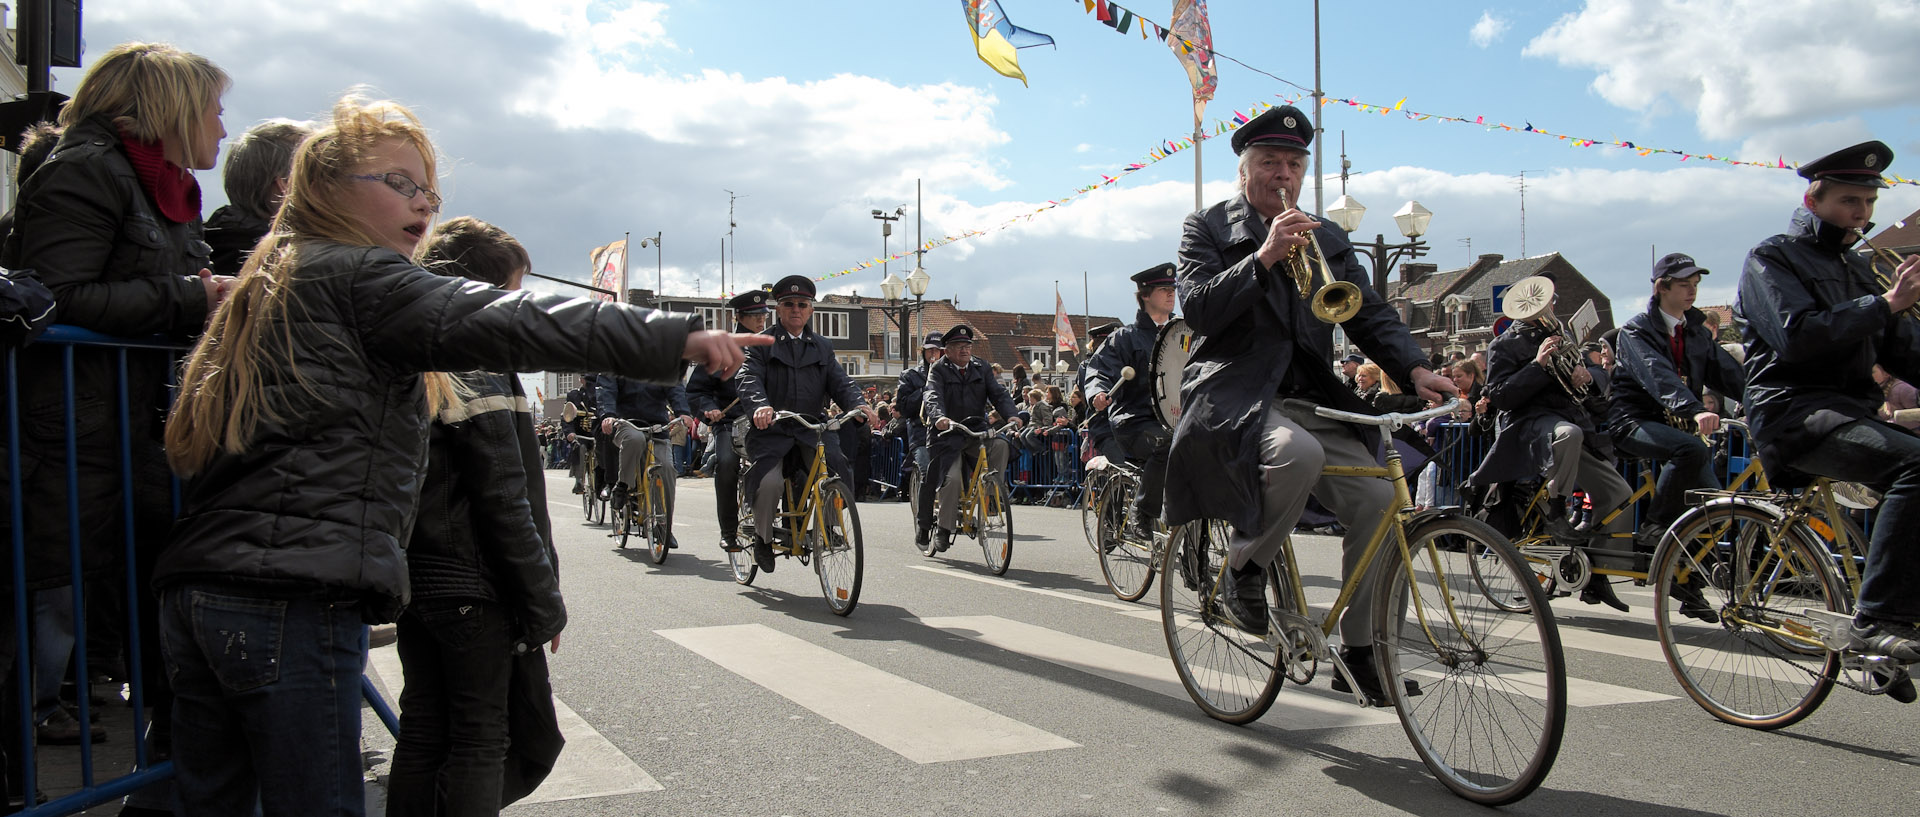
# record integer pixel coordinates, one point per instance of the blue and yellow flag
(995, 39)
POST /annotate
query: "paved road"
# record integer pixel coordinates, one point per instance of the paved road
(951, 691)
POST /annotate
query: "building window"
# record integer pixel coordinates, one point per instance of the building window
(852, 365)
(830, 324)
(716, 317)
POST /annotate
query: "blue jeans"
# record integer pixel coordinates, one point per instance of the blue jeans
(266, 700)
(458, 659)
(1888, 461)
(1689, 465)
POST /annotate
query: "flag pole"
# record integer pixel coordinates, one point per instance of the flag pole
(626, 249)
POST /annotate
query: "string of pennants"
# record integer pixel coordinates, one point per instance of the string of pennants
(1120, 19)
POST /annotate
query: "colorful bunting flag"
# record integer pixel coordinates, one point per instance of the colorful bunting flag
(995, 39)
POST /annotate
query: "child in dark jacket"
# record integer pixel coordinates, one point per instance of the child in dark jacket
(481, 565)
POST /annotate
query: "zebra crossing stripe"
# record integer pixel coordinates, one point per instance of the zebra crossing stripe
(1013, 585)
(919, 723)
(1295, 708)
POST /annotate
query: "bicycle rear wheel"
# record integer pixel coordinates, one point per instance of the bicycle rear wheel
(838, 556)
(1233, 676)
(1096, 482)
(995, 525)
(1127, 564)
(1492, 705)
(741, 561)
(622, 516)
(659, 521)
(1760, 665)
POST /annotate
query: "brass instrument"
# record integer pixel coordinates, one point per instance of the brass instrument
(1531, 300)
(1894, 260)
(1328, 298)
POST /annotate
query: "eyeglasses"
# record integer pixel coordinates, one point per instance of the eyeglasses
(795, 303)
(404, 186)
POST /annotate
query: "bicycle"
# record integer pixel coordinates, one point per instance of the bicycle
(1782, 582)
(985, 514)
(1126, 561)
(650, 502)
(1565, 569)
(592, 506)
(820, 525)
(1489, 720)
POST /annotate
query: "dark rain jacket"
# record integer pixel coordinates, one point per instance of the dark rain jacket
(962, 395)
(1816, 325)
(1130, 345)
(909, 397)
(1647, 384)
(93, 236)
(708, 393)
(232, 236)
(1254, 332)
(797, 374)
(483, 531)
(1529, 401)
(641, 402)
(326, 495)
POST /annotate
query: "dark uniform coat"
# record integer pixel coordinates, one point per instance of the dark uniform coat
(961, 395)
(1816, 325)
(1128, 346)
(798, 373)
(908, 398)
(641, 402)
(1529, 401)
(708, 393)
(1254, 334)
(1647, 384)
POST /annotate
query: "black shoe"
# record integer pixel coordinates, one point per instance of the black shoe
(1897, 640)
(1901, 690)
(942, 541)
(1647, 538)
(763, 554)
(730, 544)
(921, 535)
(1243, 598)
(1139, 530)
(1359, 661)
(673, 542)
(1600, 591)
(1692, 603)
(62, 729)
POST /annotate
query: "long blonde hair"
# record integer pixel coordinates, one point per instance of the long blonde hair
(224, 392)
(153, 91)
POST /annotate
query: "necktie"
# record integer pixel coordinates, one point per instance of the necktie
(1679, 345)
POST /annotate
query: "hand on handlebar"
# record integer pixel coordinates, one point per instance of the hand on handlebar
(763, 417)
(942, 424)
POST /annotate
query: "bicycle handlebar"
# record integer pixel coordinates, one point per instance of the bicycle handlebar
(955, 425)
(651, 431)
(1388, 422)
(807, 421)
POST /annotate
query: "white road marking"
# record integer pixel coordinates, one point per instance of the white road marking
(1107, 603)
(1295, 708)
(589, 765)
(919, 723)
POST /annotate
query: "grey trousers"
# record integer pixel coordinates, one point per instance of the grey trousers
(1296, 447)
(949, 496)
(1576, 467)
(627, 438)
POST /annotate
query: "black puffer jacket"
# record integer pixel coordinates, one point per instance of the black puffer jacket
(88, 230)
(483, 531)
(1130, 345)
(326, 496)
(232, 234)
(1647, 385)
(1816, 325)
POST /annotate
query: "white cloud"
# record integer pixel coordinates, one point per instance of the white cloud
(1742, 65)
(1488, 29)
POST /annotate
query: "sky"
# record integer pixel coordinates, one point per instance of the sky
(571, 124)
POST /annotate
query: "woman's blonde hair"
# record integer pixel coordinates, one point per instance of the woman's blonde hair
(224, 392)
(152, 91)
(1380, 378)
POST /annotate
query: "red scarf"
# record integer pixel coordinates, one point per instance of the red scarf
(172, 189)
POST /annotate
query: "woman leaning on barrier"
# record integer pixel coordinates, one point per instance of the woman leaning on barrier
(111, 224)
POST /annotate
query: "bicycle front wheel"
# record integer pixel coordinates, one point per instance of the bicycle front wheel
(1127, 564)
(837, 553)
(659, 517)
(1728, 602)
(1233, 675)
(995, 525)
(741, 560)
(1491, 700)
(622, 516)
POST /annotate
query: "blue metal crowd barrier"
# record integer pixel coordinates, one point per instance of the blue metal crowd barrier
(889, 457)
(1046, 474)
(91, 790)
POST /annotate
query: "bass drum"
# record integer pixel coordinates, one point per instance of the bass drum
(1170, 352)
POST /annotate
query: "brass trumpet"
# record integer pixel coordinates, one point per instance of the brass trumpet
(1328, 298)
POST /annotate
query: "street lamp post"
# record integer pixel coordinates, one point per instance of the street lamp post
(890, 285)
(659, 268)
(917, 284)
(1411, 219)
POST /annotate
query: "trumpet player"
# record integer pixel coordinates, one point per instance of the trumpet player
(1818, 319)
(1666, 357)
(1241, 453)
(1538, 382)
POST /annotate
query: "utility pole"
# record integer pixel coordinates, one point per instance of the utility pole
(1319, 196)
